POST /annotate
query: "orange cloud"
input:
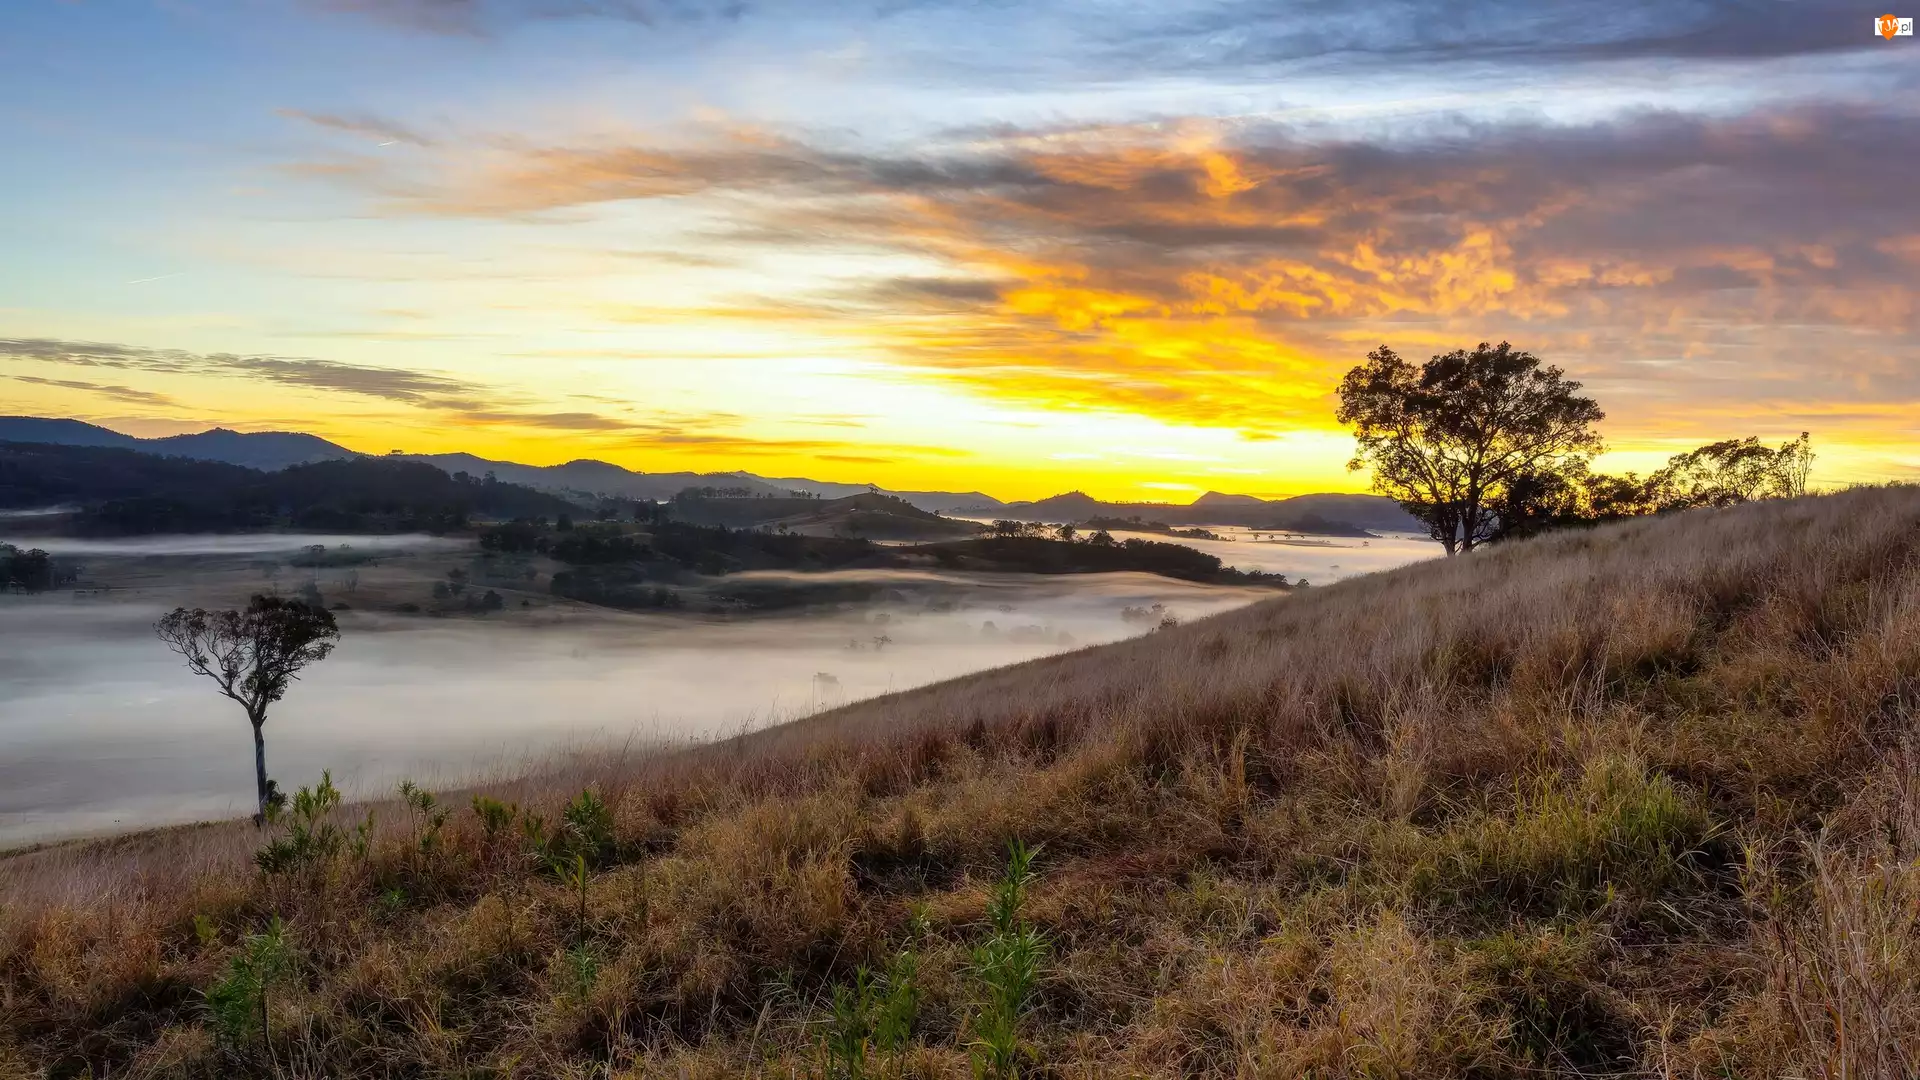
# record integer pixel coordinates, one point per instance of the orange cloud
(1224, 278)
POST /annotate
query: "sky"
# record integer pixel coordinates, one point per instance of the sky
(1022, 248)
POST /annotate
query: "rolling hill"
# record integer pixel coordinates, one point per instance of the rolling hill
(874, 517)
(583, 480)
(268, 450)
(586, 481)
(1332, 514)
(1629, 801)
(133, 492)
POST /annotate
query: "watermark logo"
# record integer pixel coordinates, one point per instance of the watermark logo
(1892, 26)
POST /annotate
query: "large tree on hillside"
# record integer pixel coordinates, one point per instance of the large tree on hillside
(252, 656)
(1452, 439)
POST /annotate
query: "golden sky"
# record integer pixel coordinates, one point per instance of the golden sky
(1115, 247)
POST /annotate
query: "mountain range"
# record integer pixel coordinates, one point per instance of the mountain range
(586, 478)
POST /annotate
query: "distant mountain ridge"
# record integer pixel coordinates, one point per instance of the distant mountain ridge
(274, 450)
(267, 450)
(585, 480)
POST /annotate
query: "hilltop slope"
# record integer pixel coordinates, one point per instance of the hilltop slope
(875, 517)
(1632, 801)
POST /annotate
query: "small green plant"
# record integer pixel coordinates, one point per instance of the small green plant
(238, 1001)
(392, 902)
(310, 838)
(849, 1029)
(898, 1005)
(361, 842)
(588, 825)
(495, 816)
(425, 819)
(205, 931)
(1007, 965)
(534, 828)
(874, 1012)
(579, 969)
(575, 875)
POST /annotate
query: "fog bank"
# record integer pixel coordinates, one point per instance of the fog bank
(101, 727)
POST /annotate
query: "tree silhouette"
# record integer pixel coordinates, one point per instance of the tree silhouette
(1450, 439)
(1733, 471)
(252, 656)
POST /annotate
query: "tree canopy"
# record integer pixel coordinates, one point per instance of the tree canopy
(1455, 438)
(252, 655)
(1733, 471)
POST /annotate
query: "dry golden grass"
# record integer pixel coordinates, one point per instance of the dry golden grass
(1638, 801)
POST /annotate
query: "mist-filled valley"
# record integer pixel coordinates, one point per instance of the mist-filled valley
(102, 728)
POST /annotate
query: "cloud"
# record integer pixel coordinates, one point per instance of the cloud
(391, 384)
(1226, 274)
(486, 16)
(117, 393)
(1405, 33)
(368, 127)
(554, 421)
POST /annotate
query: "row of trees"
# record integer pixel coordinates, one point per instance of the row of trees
(32, 570)
(1488, 444)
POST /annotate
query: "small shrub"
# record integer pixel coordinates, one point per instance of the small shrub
(495, 816)
(587, 825)
(849, 1029)
(238, 1001)
(361, 842)
(874, 1012)
(1007, 966)
(575, 875)
(578, 969)
(310, 838)
(427, 821)
(898, 1005)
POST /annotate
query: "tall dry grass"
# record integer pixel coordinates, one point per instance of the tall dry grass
(1629, 802)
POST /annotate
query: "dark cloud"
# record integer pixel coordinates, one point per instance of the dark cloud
(1264, 33)
(933, 291)
(554, 421)
(117, 393)
(392, 384)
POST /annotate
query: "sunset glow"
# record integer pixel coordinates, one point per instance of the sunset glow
(1019, 249)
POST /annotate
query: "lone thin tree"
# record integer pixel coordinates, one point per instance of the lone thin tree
(252, 656)
(1448, 439)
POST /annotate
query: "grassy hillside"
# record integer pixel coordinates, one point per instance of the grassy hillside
(1636, 801)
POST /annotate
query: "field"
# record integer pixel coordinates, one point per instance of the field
(1631, 801)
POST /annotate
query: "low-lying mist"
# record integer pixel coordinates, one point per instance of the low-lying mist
(261, 543)
(101, 727)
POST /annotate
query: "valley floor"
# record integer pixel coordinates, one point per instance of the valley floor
(1637, 801)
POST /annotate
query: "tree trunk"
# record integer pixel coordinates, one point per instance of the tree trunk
(260, 766)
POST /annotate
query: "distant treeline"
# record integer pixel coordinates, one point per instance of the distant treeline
(126, 492)
(628, 566)
(1100, 554)
(32, 570)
